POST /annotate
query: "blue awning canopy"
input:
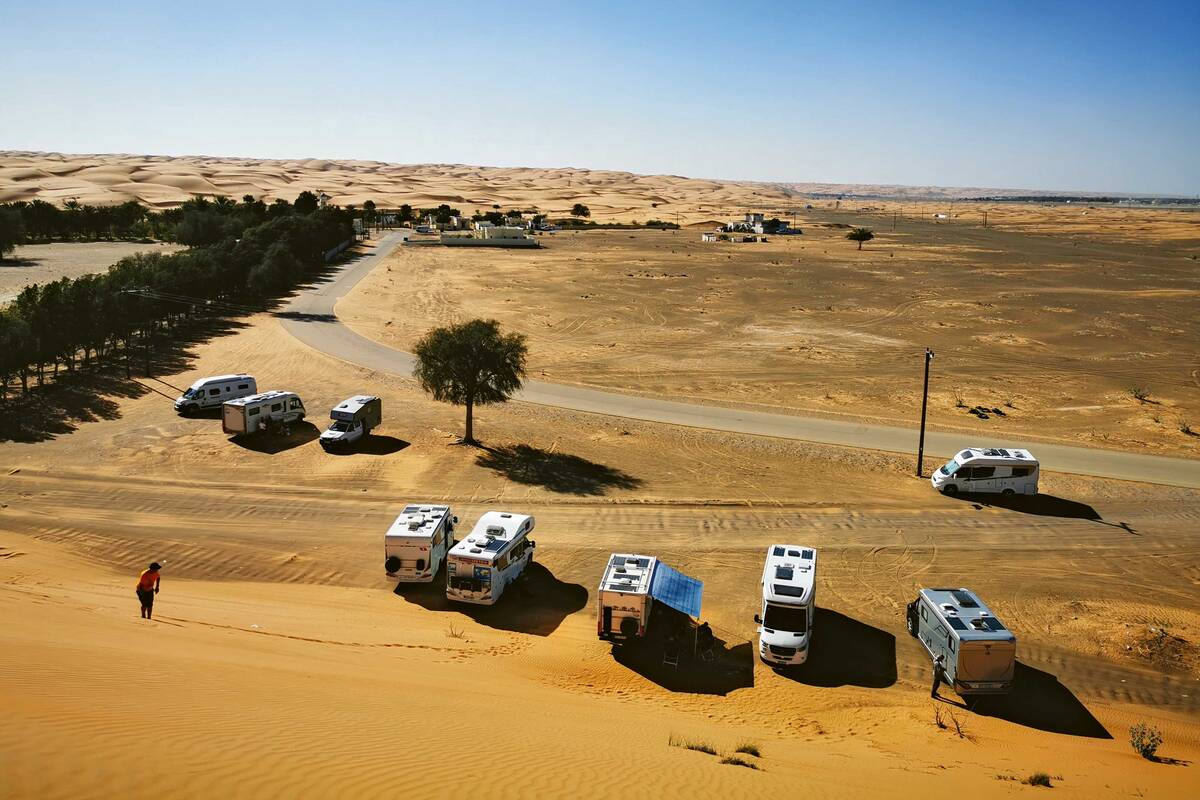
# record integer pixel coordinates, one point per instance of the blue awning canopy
(676, 590)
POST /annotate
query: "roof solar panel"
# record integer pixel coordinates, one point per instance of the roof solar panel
(957, 624)
(964, 599)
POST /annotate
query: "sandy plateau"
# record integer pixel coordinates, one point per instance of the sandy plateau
(282, 663)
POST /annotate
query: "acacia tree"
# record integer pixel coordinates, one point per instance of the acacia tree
(471, 364)
(580, 210)
(861, 235)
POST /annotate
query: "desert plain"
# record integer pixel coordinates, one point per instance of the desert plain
(281, 662)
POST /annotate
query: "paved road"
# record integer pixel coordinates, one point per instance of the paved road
(311, 319)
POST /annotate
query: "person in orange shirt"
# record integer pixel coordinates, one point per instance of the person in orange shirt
(147, 587)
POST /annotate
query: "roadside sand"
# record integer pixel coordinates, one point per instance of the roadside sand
(45, 263)
(281, 661)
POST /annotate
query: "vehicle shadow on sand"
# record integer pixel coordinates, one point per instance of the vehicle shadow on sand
(1044, 505)
(537, 603)
(301, 433)
(731, 668)
(1038, 700)
(558, 472)
(846, 652)
(372, 445)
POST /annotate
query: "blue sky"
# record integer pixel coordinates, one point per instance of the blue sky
(1092, 96)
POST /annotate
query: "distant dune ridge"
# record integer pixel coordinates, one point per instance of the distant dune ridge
(166, 181)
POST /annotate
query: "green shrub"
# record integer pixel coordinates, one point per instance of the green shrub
(738, 762)
(1039, 779)
(1145, 739)
(750, 749)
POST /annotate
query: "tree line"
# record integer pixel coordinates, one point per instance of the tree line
(239, 252)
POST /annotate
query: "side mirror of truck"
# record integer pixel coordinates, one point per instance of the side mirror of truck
(757, 619)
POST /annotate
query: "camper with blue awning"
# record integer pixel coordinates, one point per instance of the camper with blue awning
(629, 589)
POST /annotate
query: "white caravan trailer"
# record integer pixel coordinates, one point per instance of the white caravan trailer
(492, 556)
(353, 418)
(789, 604)
(258, 412)
(213, 392)
(979, 652)
(417, 542)
(624, 600)
(1007, 471)
(629, 589)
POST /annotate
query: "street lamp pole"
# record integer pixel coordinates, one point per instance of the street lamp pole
(924, 405)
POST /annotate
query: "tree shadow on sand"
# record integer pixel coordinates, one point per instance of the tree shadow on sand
(846, 652)
(558, 472)
(1038, 700)
(537, 603)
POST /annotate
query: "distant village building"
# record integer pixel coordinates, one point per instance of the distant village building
(323, 200)
(708, 237)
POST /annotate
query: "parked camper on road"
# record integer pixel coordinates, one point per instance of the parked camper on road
(353, 418)
(492, 556)
(214, 392)
(416, 543)
(979, 652)
(260, 412)
(1007, 471)
(789, 591)
(629, 590)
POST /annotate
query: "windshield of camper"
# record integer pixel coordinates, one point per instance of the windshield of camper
(191, 392)
(793, 619)
(341, 427)
(950, 467)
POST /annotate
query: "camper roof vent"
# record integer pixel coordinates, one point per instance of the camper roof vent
(476, 550)
(414, 523)
(495, 530)
(619, 569)
(964, 598)
(949, 608)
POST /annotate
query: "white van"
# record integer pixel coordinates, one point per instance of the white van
(492, 556)
(417, 542)
(213, 392)
(1006, 471)
(979, 653)
(258, 412)
(789, 604)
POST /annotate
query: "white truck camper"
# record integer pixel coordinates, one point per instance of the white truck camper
(1004, 470)
(261, 412)
(492, 556)
(789, 604)
(214, 392)
(631, 589)
(979, 653)
(416, 544)
(353, 418)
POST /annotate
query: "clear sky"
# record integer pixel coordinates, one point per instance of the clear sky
(1092, 96)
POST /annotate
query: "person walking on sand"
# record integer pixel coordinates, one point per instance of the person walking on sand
(939, 674)
(147, 587)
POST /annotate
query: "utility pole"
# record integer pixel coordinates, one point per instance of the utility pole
(924, 405)
(985, 218)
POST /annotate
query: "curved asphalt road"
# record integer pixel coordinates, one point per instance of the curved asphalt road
(310, 318)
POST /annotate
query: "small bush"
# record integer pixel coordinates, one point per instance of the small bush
(750, 749)
(689, 744)
(1139, 393)
(1039, 779)
(455, 633)
(1186, 428)
(937, 717)
(738, 762)
(1145, 739)
(958, 400)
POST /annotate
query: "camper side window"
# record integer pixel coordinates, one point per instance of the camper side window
(1021, 472)
(923, 614)
(295, 404)
(276, 406)
(950, 642)
(243, 386)
(253, 412)
(983, 472)
(213, 392)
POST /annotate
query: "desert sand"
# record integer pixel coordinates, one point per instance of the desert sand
(45, 263)
(282, 662)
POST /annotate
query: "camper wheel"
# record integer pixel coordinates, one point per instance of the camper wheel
(950, 489)
(910, 620)
(1007, 493)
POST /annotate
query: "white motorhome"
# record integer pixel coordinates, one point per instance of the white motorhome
(215, 391)
(417, 542)
(258, 412)
(979, 653)
(624, 602)
(789, 604)
(492, 556)
(353, 418)
(631, 588)
(1007, 471)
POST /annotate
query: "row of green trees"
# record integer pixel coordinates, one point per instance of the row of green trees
(79, 322)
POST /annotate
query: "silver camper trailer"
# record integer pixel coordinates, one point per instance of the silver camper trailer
(214, 392)
(353, 418)
(261, 412)
(979, 653)
(416, 544)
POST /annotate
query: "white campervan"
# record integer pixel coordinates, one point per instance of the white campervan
(789, 604)
(213, 392)
(417, 542)
(624, 602)
(979, 653)
(492, 556)
(258, 412)
(1007, 471)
